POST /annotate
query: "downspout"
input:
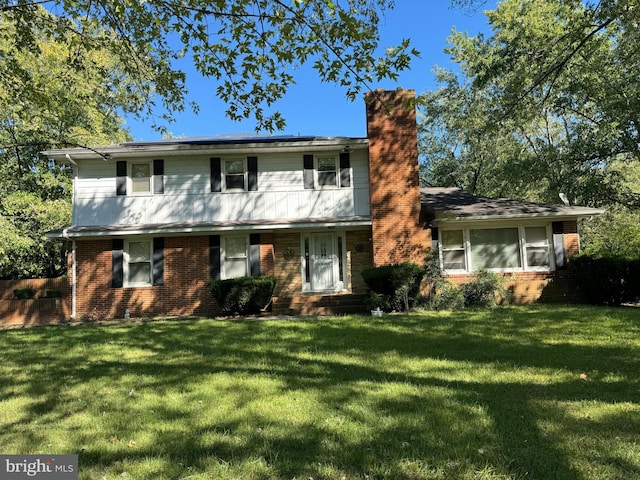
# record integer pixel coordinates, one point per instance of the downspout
(65, 234)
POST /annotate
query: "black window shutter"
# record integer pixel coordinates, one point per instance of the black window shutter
(158, 176)
(117, 272)
(308, 171)
(158, 261)
(252, 174)
(216, 174)
(121, 177)
(214, 257)
(254, 254)
(435, 238)
(345, 170)
(557, 229)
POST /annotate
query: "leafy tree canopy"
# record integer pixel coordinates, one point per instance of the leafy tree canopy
(45, 103)
(548, 104)
(250, 47)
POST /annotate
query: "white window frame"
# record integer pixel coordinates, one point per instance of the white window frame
(244, 174)
(465, 248)
(522, 249)
(549, 247)
(126, 260)
(223, 256)
(316, 170)
(130, 166)
(307, 247)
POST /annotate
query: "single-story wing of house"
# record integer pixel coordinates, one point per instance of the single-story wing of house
(530, 243)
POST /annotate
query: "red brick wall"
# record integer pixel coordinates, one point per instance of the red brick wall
(37, 310)
(359, 258)
(571, 238)
(532, 287)
(393, 178)
(288, 266)
(186, 271)
(267, 256)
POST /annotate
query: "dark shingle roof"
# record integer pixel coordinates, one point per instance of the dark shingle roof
(456, 204)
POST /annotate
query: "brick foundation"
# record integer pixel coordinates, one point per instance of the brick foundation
(534, 287)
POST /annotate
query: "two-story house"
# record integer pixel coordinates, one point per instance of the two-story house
(153, 221)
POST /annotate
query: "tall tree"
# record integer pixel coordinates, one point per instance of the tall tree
(44, 103)
(554, 97)
(250, 47)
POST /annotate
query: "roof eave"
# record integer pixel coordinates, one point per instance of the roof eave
(555, 215)
(71, 233)
(125, 151)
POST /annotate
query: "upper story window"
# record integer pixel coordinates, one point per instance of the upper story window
(327, 170)
(140, 178)
(234, 174)
(498, 249)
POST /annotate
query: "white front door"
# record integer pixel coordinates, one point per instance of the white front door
(323, 261)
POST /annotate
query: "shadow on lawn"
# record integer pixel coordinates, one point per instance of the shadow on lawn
(433, 426)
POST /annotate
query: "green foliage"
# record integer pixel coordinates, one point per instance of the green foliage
(24, 293)
(52, 93)
(247, 47)
(548, 104)
(614, 234)
(448, 296)
(607, 280)
(481, 292)
(52, 294)
(519, 393)
(24, 250)
(399, 283)
(243, 296)
(378, 300)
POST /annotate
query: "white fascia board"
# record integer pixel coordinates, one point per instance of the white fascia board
(164, 150)
(207, 229)
(557, 216)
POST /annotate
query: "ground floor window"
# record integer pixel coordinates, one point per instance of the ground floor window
(235, 256)
(323, 262)
(506, 249)
(137, 266)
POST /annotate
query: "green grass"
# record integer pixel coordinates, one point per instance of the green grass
(474, 395)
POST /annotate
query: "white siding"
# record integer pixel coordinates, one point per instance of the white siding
(187, 196)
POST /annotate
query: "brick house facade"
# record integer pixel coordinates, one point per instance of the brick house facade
(154, 221)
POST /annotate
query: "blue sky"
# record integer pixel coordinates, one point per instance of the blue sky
(315, 108)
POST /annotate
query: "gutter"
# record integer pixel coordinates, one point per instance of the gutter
(520, 216)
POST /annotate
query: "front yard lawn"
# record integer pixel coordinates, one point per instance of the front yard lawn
(511, 393)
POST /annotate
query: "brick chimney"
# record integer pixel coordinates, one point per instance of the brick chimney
(394, 186)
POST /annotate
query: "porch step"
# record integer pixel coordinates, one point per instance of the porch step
(320, 304)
